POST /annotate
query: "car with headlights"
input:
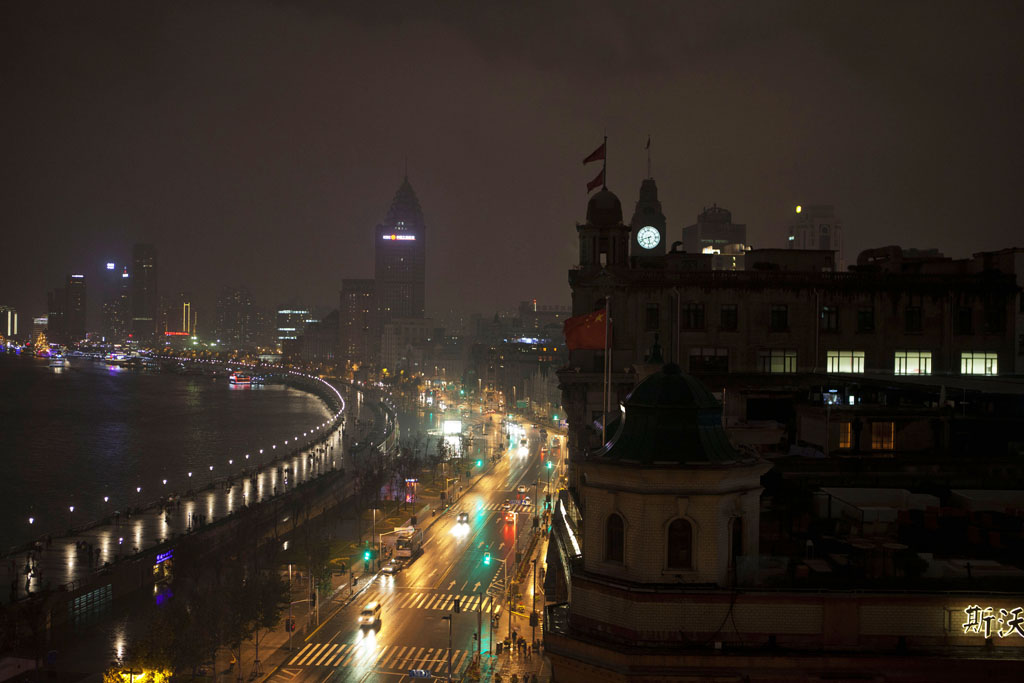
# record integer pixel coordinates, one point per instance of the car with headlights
(463, 518)
(370, 616)
(521, 488)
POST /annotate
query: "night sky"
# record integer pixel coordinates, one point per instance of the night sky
(258, 143)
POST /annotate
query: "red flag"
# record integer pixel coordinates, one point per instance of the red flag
(585, 331)
(596, 182)
(596, 155)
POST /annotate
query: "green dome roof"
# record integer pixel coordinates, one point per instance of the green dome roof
(670, 419)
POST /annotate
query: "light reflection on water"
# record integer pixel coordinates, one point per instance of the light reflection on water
(88, 431)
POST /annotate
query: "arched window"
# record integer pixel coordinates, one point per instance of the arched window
(614, 539)
(680, 544)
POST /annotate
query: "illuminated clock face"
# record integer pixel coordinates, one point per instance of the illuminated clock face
(648, 237)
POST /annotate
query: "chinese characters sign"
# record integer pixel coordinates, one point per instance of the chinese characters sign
(987, 621)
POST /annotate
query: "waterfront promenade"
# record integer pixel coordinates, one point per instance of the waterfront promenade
(66, 561)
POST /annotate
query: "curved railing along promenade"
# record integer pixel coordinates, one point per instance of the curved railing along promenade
(66, 562)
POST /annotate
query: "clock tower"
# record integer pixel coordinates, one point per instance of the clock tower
(648, 223)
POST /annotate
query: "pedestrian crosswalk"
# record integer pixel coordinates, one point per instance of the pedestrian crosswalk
(436, 601)
(388, 657)
(515, 507)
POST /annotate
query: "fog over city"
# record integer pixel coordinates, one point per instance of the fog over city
(259, 143)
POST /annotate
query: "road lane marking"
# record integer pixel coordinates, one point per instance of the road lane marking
(296, 657)
(396, 656)
(327, 653)
(302, 662)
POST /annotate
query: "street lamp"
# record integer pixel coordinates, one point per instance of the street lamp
(71, 511)
(448, 618)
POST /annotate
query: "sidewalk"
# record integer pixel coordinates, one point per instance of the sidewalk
(517, 662)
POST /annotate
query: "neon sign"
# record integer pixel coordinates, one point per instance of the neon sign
(163, 557)
(399, 238)
(986, 621)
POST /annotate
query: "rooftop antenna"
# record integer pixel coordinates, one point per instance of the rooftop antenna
(648, 148)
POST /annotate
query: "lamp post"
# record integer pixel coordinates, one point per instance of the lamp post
(448, 617)
(533, 608)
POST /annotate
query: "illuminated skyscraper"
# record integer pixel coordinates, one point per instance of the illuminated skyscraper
(358, 337)
(400, 263)
(291, 322)
(75, 307)
(145, 297)
(8, 322)
(235, 318)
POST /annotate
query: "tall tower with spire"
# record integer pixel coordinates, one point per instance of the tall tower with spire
(400, 251)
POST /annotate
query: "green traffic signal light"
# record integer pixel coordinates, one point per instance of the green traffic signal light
(479, 463)
(549, 464)
(366, 556)
(487, 558)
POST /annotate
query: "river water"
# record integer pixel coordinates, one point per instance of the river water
(71, 436)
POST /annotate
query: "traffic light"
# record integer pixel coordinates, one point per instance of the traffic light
(549, 464)
(533, 619)
(479, 463)
(366, 556)
(487, 558)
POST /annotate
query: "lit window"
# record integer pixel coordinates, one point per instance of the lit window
(845, 435)
(913, 363)
(845, 361)
(882, 434)
(979, 363)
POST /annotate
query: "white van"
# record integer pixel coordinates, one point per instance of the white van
(370, 616)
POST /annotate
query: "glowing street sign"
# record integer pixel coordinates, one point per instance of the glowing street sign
(986, 621)
(399, 238)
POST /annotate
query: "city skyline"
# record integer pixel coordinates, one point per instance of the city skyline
(262, 166)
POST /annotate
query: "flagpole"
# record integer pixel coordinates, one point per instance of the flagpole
(604, 168)
(607, 368)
